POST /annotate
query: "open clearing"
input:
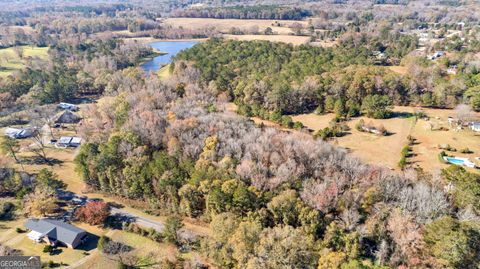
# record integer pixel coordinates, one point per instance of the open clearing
(280, 27)
(402, 70)
(371, 148)
(11, 61)
(385, 150)
(149, 251)
(164, 72)
(295, 40)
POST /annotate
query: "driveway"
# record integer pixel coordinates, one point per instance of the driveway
(141, 221)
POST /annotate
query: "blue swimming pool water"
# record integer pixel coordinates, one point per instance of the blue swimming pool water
(169, 47)
(454, 161)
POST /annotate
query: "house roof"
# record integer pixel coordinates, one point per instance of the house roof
(18, 133)
(67, 117)
(65, 140)
(69, 140)
(55, 229)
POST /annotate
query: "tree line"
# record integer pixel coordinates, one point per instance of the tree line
(261, 12)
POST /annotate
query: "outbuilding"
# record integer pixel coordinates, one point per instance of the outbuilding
(19, 132)
(475, 126)
(69, 142)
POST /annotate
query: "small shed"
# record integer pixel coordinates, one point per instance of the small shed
(67, 117)
(68, 106)
(475, 126)
(69, 141)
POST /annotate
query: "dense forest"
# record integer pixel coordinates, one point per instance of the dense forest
(272, 198)
(72, 70)
(245, 12)
(170, 144)
(267, 78)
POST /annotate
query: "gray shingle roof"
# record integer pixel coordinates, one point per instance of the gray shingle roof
(55, 229)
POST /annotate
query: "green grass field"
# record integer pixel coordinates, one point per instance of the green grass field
(11, 61)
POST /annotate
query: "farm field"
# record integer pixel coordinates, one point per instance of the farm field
(294, 40)
(11, 61)
(280, 27)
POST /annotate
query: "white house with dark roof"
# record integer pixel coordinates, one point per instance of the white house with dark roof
(55, 232)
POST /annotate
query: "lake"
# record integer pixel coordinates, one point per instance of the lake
(169, 47)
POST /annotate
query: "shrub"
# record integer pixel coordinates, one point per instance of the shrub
(404, 155)
(108, 246)
(47, 249)
(102, 242)
(286, 121)
(402, 163)
(19, 230)
(172, 225)
(411, 140)
(441, 155)
(359, 125)
(6, 210)
(466, 151)
(297, 125)
(150, 233)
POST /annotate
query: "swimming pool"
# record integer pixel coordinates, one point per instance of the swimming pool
(459, 161)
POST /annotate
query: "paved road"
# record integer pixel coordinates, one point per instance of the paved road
(141, 221)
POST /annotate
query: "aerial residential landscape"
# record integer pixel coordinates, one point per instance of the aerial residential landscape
(240, 134)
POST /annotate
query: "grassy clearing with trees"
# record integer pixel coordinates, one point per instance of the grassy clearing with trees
(16, 58)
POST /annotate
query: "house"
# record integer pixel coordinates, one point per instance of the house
(475, 126)
(55, 232)
(68, 141)
(68, 106)
(436, 55)
(19, 133)
(67, 117)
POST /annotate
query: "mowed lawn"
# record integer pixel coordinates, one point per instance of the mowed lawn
(150, 252)
(11, 61)
(426, 150)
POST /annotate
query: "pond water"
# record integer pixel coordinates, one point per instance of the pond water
(169, 47)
